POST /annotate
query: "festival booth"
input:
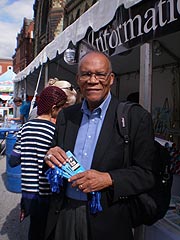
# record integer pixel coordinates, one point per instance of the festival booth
(6, 93)
(142, 39)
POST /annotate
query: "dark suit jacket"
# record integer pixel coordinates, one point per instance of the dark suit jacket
(114, 222)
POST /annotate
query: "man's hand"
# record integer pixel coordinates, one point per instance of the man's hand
(91, 180)
(55, 156)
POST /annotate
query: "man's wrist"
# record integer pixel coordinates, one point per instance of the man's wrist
(112, 180)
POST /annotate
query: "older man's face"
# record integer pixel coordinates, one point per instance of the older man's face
(95, 78)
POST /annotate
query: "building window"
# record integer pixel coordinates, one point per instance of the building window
(0, 69)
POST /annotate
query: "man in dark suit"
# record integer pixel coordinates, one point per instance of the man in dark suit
(90, 130)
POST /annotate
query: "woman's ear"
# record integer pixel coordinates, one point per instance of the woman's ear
(55, 111)
(53, 108)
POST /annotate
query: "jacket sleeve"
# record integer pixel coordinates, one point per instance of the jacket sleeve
(138, 176)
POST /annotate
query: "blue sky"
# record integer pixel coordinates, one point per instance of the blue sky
(12, 14)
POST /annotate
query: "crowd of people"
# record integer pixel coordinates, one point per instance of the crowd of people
(89, 129)
(24, 106)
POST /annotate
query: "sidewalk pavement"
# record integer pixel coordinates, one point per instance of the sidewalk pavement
(10, 227)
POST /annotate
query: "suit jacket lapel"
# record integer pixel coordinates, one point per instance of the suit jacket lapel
(106, 133)
(72, 128)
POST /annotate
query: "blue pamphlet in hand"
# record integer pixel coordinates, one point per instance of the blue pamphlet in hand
(68, 170)
(71, 168)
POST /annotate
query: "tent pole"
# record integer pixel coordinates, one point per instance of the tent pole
(46, 73)
(145, 99)
(145, 86)
(35, 92)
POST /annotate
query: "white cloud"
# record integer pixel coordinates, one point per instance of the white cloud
(3, 2)
(11, 21)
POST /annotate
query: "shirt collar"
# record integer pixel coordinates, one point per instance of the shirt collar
(100, 109)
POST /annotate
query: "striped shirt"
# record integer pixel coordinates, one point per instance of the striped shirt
(33, 141)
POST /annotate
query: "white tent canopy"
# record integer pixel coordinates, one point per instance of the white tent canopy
(76, 32)
(123, 32)
(5, 97)
(6, 81)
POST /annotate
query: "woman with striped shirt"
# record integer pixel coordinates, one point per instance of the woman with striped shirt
(33, 141)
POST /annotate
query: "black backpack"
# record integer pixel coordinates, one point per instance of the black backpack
(148, 207)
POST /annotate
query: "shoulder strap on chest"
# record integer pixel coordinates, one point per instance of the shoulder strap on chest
(123, 122)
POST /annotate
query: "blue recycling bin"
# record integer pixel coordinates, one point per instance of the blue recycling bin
(13, 175)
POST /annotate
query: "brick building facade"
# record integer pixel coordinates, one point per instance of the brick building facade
(24, 50)
(74, 9)
(48, 22)
(51, 17)
(5, 65)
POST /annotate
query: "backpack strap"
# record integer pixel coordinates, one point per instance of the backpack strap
(123, 123)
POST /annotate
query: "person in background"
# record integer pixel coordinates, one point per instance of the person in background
(66, 87)
(24, 110)
(90, 131)
(33, 141)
